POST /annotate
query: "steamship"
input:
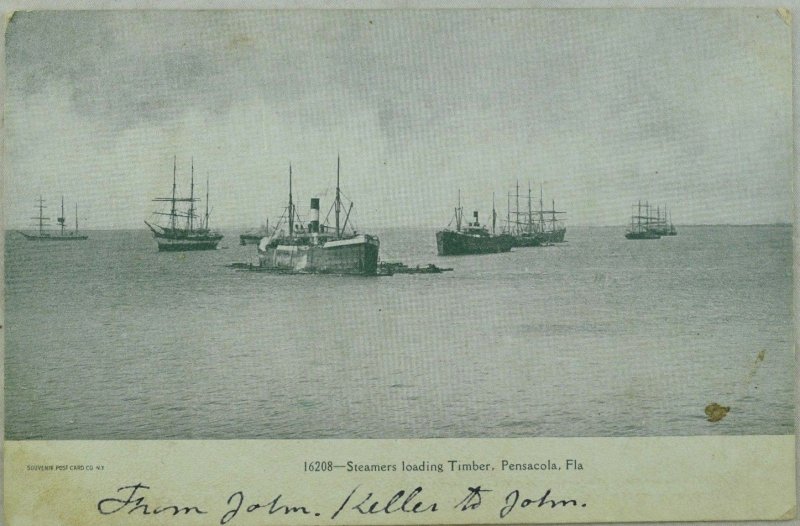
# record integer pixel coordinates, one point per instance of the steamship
(176, 237)
(316, 248)
(474, 239)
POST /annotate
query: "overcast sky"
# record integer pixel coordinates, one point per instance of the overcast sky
(602, 107)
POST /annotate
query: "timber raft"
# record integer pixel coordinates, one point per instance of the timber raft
(384, 269)
(402, 268)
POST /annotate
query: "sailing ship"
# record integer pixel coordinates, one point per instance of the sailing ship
(316, 248)
(642, 226)
(177, 235)
(474, 239)
(525, 232)
(44, 234)
(550, 229)
(253, 237)
(528, 230)
(662, 225)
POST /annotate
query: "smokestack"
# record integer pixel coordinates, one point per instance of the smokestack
(313, 226)
(475, 215)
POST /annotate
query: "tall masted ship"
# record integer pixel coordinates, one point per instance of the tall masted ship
(184, 229)
(473, 239)
(661, 224)
(533, 228)
(642, 226)
(523, 228)
(315, 248)
(552, 230)
(45, 234)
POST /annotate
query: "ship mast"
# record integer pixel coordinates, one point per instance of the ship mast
(291, 206)
(508, 213)
(205, 225)
(62, 219)
(541, 209)
(639, 217)
(338, 203)
(174, 171)
(530, 212)
(458, 212)
(190, 219)
(41, 217)
(76, 219)
(516, 218)
(494, 214)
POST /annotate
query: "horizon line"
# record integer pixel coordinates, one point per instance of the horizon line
(250, 227)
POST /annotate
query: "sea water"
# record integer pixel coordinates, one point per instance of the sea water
(599, 336)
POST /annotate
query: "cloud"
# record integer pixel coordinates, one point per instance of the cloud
(605, 106)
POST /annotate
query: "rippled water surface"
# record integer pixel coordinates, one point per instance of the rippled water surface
(599, 336)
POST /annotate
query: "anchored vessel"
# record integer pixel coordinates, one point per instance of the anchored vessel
(474, 239)
(316, 248)
(661, 225)
(177, 234)
(45, 235)
(552, 229)
(528, 230)
(524, 230)
(642, 226)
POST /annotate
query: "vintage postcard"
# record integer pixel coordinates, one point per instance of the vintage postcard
(404, 266)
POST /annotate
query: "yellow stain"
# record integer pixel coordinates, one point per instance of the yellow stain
(716, 412)
(785, 15)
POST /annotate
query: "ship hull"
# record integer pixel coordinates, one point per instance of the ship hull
(526, 241)
(187, 244)
(30, 237)
(553, 236)
(450, 243)
(539, 238)
(353, 256)
(642, 235)
(178, 240)
(664, 231)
